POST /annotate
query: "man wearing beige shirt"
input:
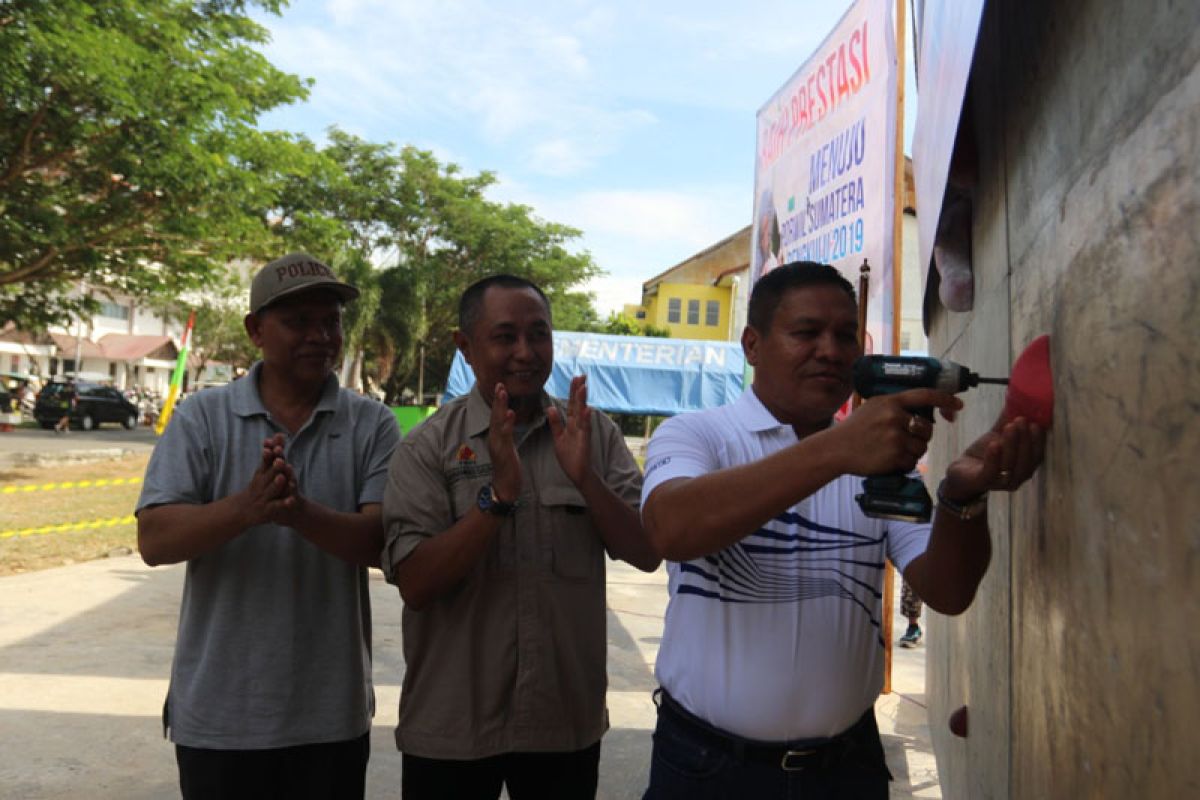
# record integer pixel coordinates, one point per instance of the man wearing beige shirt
(498, 512)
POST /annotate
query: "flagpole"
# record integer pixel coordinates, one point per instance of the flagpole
(898, 182)
(889, 572)
(160, 424)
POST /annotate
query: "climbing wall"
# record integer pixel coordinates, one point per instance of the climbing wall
(1078, 661)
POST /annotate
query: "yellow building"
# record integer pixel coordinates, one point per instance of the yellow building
(703, 297)
(697, 298)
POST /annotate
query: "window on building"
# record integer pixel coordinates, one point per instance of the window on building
(712, 313)
(114, 310)
(640, 314)
(693, 312)
(674, 310)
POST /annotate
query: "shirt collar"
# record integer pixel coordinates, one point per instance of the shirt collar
(753, 415)
(479, 413)
(248, 403)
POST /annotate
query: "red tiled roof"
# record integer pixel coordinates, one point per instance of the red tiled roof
(130, 347)
(66, 346)
(10, 333)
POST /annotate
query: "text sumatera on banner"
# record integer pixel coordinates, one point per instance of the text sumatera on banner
(824, 168)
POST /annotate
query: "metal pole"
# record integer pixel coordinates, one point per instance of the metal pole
(864, 295)
(79, 337)
(421, 377)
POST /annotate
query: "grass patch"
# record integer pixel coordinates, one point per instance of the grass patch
(22, 510)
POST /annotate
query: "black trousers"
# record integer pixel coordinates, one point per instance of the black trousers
(328, 771)
(528, 776)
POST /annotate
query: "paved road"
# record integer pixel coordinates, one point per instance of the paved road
(85, 651)
(30, 446)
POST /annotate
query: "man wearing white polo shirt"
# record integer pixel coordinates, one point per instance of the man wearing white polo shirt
(772, 656)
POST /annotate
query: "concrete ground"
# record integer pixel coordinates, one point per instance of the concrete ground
(85, 653)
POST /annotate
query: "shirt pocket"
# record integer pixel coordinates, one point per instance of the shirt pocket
(575, 546)
(464, 495)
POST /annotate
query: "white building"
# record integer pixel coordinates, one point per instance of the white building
(128, 343)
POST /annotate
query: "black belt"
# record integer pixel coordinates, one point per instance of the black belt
(788, 756)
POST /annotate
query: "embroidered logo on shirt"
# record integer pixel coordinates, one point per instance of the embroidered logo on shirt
(464, 466)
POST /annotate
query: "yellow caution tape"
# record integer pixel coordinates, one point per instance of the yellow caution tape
(112, 522)
(46, 487)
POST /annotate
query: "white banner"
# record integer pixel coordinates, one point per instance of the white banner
(948, 34)
(825, 166)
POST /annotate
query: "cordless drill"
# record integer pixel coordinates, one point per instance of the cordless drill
(897, 496)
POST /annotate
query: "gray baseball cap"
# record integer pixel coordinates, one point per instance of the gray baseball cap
(295, 272)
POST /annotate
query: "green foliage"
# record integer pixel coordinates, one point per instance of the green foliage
(128, 149)
(655, 331)
(637, 424)
(619, 324)
(130, 159)
(573, 311)
(451, 236)
(436, 232)
(339, 198)
(219, 334)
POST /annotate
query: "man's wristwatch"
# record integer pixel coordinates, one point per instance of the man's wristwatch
(964, 511)
(490, 504)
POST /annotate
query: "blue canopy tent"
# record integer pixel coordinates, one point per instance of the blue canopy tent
(636, 374)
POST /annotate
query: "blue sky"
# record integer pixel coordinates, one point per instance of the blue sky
(630, 120)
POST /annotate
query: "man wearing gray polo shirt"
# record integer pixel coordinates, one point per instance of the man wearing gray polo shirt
(270, 488)
(499, 510)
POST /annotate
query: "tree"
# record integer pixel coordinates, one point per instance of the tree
(451, 235)
(219, 334)
(359, 316)
(341, 198)
(434, 232)
(339, 206)
(128, 150)
(574, 311)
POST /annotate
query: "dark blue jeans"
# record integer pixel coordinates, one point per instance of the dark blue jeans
(694, 761)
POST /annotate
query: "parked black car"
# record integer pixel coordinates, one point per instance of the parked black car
(88, 405)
